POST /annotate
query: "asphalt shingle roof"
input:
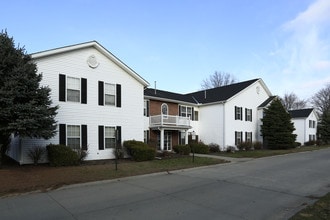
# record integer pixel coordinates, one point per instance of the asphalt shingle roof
(300, 113)
(218, 94)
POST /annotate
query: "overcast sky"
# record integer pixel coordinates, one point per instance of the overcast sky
(178, 43)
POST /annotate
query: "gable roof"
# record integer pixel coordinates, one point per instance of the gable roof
(265, 103)
(98, 47)
(219, 94)
(301, 113)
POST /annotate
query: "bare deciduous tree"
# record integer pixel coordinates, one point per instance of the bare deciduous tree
(218, 79)
(321, 100)
(291, 101)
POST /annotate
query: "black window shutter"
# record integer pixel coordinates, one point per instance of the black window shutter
(83, 91)
(179, 110)
(101, 137)
(62, 87)
(62, 134)
(101, 93)
(118, 95)
(251, 114)
(235, 113)
(241, 111)
(84, 137)
(192, 114)
(235, 137)
(246, 112)
(148, 103)
(118, 128)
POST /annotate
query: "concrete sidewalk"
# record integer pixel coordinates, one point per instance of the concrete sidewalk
(230, 159)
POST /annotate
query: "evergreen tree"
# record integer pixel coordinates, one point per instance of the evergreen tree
(25, 106)
(277, 127)
(324, 127)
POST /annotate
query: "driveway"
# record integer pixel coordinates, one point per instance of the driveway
(266, 188)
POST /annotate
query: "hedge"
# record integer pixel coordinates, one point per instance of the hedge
(139, 151)
(182, 149)
(199, 148)
(61, 155)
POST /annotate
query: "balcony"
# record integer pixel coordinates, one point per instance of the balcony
(169, 121)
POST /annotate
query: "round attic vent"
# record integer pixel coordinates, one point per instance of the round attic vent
(92, 61)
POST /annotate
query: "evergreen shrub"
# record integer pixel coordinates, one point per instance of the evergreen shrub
(182, 149)
(199, 148)
(61, 155)
(139, 151)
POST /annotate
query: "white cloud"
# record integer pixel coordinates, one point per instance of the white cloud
(302, 52)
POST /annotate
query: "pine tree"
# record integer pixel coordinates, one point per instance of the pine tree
(25, 106)
(277, 128)
(324, 127)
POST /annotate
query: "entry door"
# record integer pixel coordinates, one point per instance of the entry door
(167, 140)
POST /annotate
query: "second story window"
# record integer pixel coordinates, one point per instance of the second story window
(73, 89)
(238, 113)
(248, 114)
(164, 109)
(146, 108)
(186, 111)
(109, 94)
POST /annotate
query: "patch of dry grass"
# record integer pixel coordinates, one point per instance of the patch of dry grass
(19, 179)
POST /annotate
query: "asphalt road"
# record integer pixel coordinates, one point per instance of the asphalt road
(266, 188)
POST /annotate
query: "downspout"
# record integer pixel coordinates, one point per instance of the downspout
(223, 126)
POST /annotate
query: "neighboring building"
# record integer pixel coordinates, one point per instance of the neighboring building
(225, 115)
(305, 122)
(100, 101)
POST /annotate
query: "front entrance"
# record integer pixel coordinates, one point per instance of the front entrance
(167, 141)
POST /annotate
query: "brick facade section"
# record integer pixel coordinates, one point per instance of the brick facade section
(155, 108)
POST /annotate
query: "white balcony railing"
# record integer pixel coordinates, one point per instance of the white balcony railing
(169, 120)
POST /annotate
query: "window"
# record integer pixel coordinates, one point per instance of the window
(182, 139)
(109, 137)
(73, 136)
(73, 89)
(248, 114)
(312, 137)
(196, 116)
(248, 137)
(238, 113)
(164, 109)
(146, 108)
(238, 137)
(146, 136)
(109, 94)
(186, 111)
(311, 124)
